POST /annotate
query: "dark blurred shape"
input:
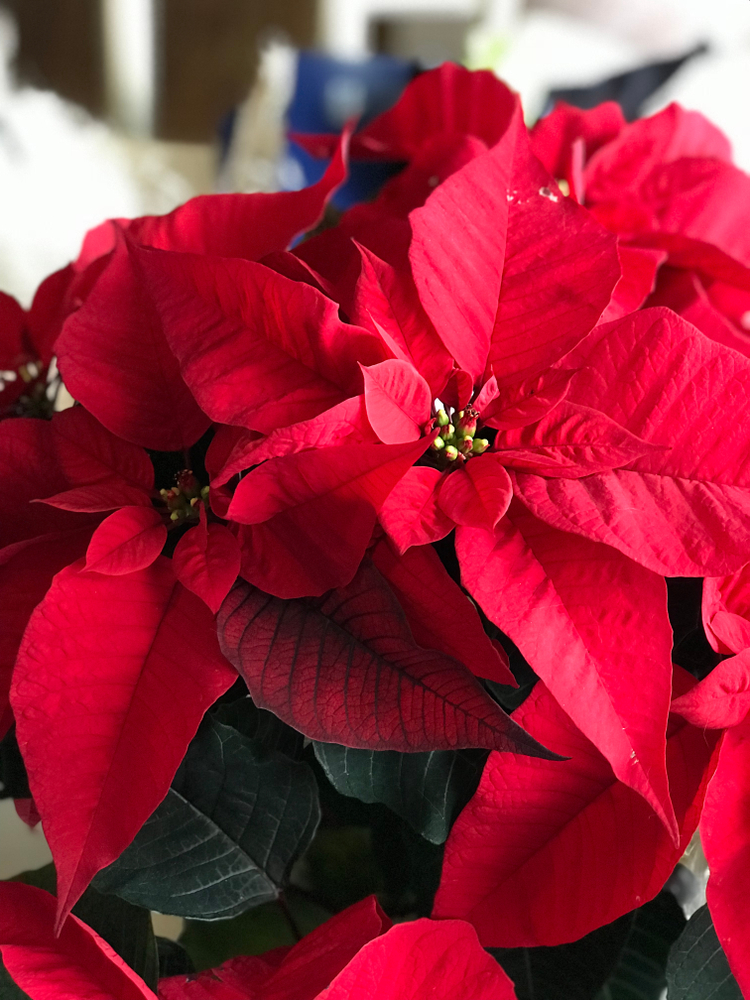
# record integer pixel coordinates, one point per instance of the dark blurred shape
(60, 48)
(331, 91)
(209, 51)
(631, 90)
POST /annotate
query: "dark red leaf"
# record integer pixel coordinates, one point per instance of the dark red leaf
(344, 668)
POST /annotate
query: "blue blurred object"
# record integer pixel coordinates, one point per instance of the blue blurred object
(328, 93)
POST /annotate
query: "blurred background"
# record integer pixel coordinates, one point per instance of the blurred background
(125, 107)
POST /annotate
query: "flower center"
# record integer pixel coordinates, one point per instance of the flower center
(184, 497)
(456, 442)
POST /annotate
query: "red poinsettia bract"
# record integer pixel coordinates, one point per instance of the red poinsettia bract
(356, 955)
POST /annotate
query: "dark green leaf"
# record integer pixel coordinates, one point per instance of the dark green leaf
(125, 927)
(260, 930)
(428, 790)
(411, 867)
(226, 835)
(640, 971)
(8, 988)
(567, 972)
(42, 878)
(173, 959)
(262, 726)
(697, 967)
(14, 783)
(340, 868)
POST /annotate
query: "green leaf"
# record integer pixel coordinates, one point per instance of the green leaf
(226, 835)
(41, 878)
(14, 784)
(640, 971)
(173, 959)
(624, 960)
(340, 867)
(574, 971)
(260, 726)
(428, 790)
(125, 927)
(8, 988)
(253, 933)
(697, 967)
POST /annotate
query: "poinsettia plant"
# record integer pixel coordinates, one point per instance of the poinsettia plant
(381, 605)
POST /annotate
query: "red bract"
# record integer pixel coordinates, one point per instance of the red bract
(47, 460)
(76, 963)
(722, 699)
(127, 541)
(116, 671)
(27, 345)
(297, 973)
(355, 955)
(515, 855)
(234, 324)
(511, 273)
(595, 626)
(418, 579)
(26, 572)
(664, 183)
(86, 469)
(206, 560)
(420, 960)
(448, 101)
(681, 509)
(130, 380)
(725, 835)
